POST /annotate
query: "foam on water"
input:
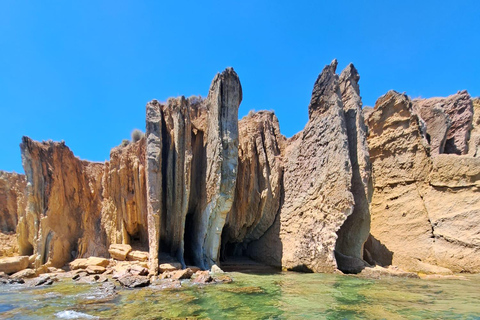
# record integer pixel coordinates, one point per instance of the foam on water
(70, 314)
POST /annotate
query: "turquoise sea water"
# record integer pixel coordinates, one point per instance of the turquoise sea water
(284, 295)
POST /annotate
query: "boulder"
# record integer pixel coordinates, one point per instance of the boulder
(25, 273)
(119, 251)
(95, 269)
(83, 263)
(133, 281)
(166, 267)
(136, 255)
(13, 264)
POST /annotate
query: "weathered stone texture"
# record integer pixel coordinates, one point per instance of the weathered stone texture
(424, 209)
(317, 186)
(448, 121)
(474, 143)
(354, 232)
(124, 207)
(62, 219)
(12, 200)
(259, 181)
(192, 157)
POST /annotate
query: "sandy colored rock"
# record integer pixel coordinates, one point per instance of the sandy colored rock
(355, 230)
(259, 181)
(25, 273)
(136, 255)
(8, 244)
(169, 267)
(317, 184)
(12, 200)
(95, 269)
(13, 264)
(64, 205)
(203, 277)
(124, 207)
(434, 122)
(84, 263)
(378, 272)
(192, 155)
(425, 210)
(474, 142)
(456, 111)
(119, 251)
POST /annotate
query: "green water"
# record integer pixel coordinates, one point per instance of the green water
(272, 296)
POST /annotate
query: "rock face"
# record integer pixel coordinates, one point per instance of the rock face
(425, 210)
(317, 186)
(62, 219)
(124, 205)
(448, 122)
(354, 232)
(259, 182)
(474, 143)
(12, 200)
(202, 186)
(192, 158)
(12, 204)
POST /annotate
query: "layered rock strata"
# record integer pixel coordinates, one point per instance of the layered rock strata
(192, 159)
(201, 185)
(12, 200)
(424, 209)
(259, 182)
(62, 219)
(124, 205)
(12, 205)
(448, 122)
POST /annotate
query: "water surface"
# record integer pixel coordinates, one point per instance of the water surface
(284, 295)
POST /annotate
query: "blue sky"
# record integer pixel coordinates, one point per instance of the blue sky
(82, 71)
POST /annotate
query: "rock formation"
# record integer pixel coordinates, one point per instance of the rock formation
(448, 122)
(259, 182)
(62, 218)
(201, 185)
(424, 209)
(192, 158)
(124, 205)
(12, 198)
(12, 205)
(354, 232)
(474, 143)
(317, 186)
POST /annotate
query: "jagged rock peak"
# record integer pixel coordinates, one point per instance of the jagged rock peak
(349, 77)
(227, 78)
(324, 90)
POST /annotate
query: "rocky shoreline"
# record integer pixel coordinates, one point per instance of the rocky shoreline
(359, 190)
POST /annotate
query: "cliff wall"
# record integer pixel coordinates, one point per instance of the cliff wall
(396, 184)
(425, 205)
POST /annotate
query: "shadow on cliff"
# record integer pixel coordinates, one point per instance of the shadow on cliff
(376, 253)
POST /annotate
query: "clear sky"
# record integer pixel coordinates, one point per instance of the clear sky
(83, 71)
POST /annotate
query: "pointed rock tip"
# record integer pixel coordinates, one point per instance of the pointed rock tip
(334, 64)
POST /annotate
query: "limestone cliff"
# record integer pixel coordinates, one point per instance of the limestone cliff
(62, 219)
(124, 207)
(192, 159)
(201, 185)
(317, 186)
(424, 209)
(12, 205)
(259, 182)
(12, 200)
